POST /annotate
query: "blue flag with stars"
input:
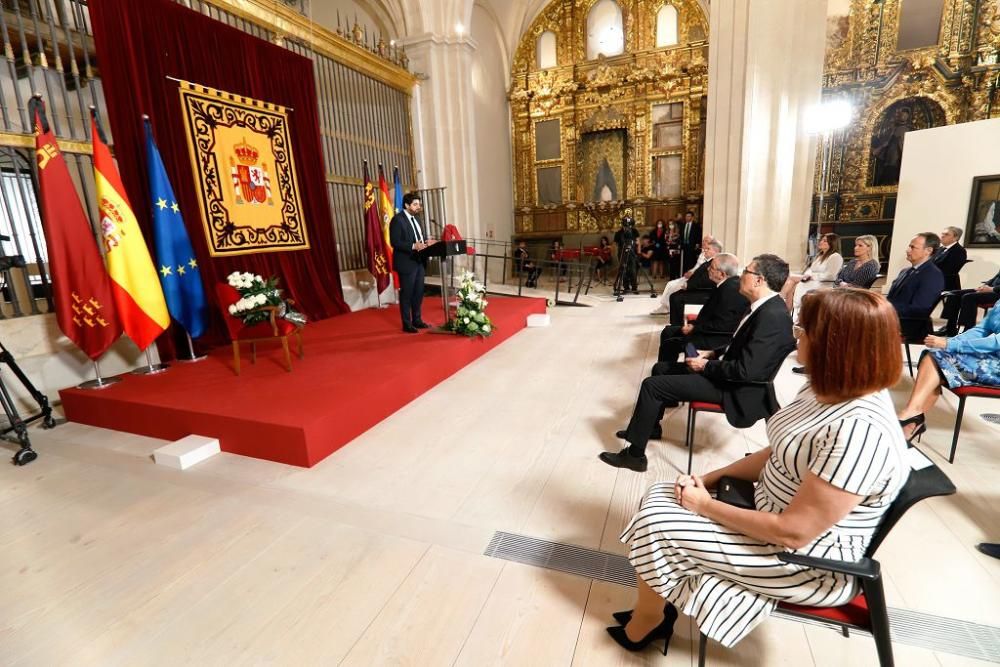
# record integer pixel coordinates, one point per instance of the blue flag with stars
(176, 263)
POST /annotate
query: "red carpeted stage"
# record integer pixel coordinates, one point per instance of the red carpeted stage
(358, 369)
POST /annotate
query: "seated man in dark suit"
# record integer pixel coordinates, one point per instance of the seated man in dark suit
(718, 318)
(961, 306)
(735, 377)
(950, 257)
(917, 288)
(699, 286)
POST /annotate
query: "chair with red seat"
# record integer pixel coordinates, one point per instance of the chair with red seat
(867, 611)
(274, 328)
(973, 391)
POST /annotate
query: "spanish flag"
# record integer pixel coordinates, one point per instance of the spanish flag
(137, 290)
(385, 206)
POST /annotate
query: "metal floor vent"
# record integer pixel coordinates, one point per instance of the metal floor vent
(914, 628)
(991, 418)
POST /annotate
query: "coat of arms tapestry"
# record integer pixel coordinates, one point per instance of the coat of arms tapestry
(242, 159)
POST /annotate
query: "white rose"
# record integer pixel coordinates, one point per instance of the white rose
(247, 276)
(257, 277)
(261, 299)
(486, 328)
(465, 320)
(232, 309)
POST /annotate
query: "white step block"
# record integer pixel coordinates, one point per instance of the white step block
(539, 320)
(186, 452)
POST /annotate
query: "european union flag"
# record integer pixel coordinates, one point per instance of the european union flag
(397, 186)
(176, 263)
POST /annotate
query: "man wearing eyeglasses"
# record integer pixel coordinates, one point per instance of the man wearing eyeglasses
(736, 377)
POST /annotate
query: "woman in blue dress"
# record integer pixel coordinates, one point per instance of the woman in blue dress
(972, 357)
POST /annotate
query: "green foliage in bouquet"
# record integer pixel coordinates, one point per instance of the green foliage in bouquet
(471, 319)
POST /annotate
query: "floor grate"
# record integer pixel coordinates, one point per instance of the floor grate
(928, 631)
(990, 418)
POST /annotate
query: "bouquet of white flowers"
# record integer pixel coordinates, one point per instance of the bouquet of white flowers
(257, 293)
(471, 319)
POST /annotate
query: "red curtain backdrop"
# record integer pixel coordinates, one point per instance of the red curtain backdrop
(139, 44)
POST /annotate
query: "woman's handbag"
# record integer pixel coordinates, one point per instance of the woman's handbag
(736, 492)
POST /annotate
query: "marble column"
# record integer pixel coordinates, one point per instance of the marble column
(444, 124)
(765, 78)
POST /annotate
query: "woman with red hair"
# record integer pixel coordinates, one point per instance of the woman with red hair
(835, 463)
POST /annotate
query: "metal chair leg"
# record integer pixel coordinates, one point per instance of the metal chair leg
(958, 428)
(875, 596)
(702, 649)
(909, 361)
(689, 438)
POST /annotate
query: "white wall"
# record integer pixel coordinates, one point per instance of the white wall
(492, 112)
(935, 185)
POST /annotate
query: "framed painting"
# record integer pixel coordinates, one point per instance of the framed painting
(983, 227)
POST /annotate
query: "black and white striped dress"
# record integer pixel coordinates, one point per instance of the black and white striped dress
(730, 582)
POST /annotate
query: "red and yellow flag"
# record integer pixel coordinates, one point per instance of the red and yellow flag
(386, 208)
(375, 245)
(137, 291)
(81, 290)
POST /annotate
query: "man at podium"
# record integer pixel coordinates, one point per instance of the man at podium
(408, 242)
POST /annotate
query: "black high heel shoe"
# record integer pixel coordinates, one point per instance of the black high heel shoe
(921, 426)
(664, 631)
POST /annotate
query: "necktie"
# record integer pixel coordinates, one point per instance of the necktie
(687, 232)
(416, 228)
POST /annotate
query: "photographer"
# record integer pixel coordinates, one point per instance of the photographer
(628, 264)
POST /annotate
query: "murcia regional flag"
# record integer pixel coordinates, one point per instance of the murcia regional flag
(137, 291)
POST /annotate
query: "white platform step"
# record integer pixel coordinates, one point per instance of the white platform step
(539, 320)
(186, 452)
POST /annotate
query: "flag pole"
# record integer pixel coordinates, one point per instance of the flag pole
(151, 368)
(98, 382)
(194, 357)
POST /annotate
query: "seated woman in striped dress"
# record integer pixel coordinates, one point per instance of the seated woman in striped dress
(835, 463)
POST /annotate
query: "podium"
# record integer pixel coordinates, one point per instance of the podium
(444, 251)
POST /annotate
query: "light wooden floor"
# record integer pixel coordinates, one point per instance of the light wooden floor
(373, 556)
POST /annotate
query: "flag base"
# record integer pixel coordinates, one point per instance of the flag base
(192, 360)
(151, 369)
(99, 383)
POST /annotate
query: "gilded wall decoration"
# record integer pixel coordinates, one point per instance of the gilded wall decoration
(953, 81)
(602, 166)
(605, 95)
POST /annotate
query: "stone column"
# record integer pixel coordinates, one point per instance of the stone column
(764, 76)
(444, 124)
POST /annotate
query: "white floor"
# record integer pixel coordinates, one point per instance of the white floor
(374, 556)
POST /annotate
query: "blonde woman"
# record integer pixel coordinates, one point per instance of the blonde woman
(862, 270)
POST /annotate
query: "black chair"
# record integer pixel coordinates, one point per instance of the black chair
(913, 331)
(954, 281)
(867, 611)
(695, 407)
(871, 282)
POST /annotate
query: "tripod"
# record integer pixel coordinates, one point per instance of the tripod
(628, 270)
(20, 426)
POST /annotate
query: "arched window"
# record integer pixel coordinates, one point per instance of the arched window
(605, 30)
(545, 50)
(666, 26)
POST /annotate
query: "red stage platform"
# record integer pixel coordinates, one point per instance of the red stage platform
(358, 370)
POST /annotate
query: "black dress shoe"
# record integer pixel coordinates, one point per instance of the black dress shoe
(941, 332)
(664, 631)
(422, 325)
(623, 617)
(799, 370)
(989, 549)
(409, 329)
(624, 459)
(656, 434)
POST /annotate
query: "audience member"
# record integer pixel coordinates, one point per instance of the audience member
(915, 291)
(950, 257)
(961, 306)
(835, 464)
(735, 377)
(680, 283)
(718, 318)
(556, 255)
(673, 251)
(524, 265)
(863, 269)
(659, 250)
(972, 357)
(690, 241)
(645, 252)
(602, 259)
(821, 272)
(698, 288)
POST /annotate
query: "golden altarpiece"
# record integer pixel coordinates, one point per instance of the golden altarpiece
(606, 123)
(902, 65)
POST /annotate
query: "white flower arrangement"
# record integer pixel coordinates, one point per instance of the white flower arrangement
(471, 319)
(255, 292)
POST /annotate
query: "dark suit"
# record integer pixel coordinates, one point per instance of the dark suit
(961, 308)
(410, 266)
(950, 261)
(715, 325)
(756, 352)
(699, 289)
(690, 244)
(913, 294)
